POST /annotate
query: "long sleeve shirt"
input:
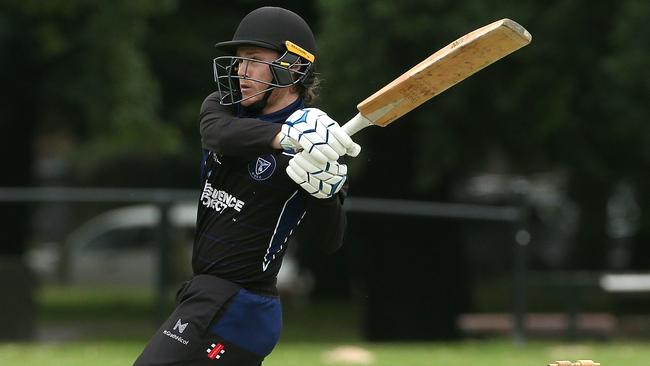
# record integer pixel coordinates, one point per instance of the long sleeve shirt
(249, 207)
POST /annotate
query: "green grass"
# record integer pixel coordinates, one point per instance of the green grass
(128, 314)
(64, 303)
(110, 326)
(70, 354)
(484, 353)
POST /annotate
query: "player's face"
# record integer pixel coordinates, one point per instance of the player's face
(251, 71)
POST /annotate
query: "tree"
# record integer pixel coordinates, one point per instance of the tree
(573, 101)
(413, 270)
(76, 66)
(627, 69)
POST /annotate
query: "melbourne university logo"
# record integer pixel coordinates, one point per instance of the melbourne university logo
(261, 165)
(262, 168)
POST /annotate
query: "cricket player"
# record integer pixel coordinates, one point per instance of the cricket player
(270, 167)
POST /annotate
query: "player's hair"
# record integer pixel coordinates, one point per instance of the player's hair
(310, 93)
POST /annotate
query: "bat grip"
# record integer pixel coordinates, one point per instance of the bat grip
(356, 124)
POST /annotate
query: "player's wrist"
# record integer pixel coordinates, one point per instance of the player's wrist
(275, 142)
(321, 202)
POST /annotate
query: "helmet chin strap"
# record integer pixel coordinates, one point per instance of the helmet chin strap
(257, 107)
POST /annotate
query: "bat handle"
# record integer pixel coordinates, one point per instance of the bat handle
(356, 124)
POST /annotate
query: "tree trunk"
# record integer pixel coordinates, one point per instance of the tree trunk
(589, 251)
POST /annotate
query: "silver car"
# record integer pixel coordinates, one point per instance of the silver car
(121, 247)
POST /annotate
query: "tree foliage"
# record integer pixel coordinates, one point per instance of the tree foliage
(573, 101)
(87, 73)
(126, 79)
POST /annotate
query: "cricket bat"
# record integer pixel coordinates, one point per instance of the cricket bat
(440, 71)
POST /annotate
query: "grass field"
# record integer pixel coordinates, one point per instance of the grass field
(483, 353)
(108, 327)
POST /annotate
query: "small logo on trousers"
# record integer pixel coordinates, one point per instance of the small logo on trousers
(215, 351)
(180, 326)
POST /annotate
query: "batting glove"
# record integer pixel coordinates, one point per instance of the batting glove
(313, 131)
(318, 179)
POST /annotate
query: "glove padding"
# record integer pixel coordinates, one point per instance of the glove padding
(318, 179)
(313, 131)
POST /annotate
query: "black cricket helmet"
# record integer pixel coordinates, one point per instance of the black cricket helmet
(273, 28)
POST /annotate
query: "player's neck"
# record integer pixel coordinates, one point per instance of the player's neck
(281, 98)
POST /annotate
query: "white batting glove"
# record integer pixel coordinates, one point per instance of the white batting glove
(313, 131)
(318, 179)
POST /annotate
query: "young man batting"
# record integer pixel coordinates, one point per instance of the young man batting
(269, 168)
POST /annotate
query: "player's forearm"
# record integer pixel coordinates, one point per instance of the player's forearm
(226, 134)
(237, 136)
(275, 143)
(324, 224)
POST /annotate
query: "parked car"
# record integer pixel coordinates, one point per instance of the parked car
(120, 247)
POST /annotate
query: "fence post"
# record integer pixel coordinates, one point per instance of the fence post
(164, 246)
(17, 310)
(522, 239)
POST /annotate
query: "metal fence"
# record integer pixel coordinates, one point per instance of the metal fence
(164, 198)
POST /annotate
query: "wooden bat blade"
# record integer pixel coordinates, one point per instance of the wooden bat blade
(440, 71)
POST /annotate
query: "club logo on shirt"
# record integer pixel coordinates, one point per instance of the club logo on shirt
(262, 168)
